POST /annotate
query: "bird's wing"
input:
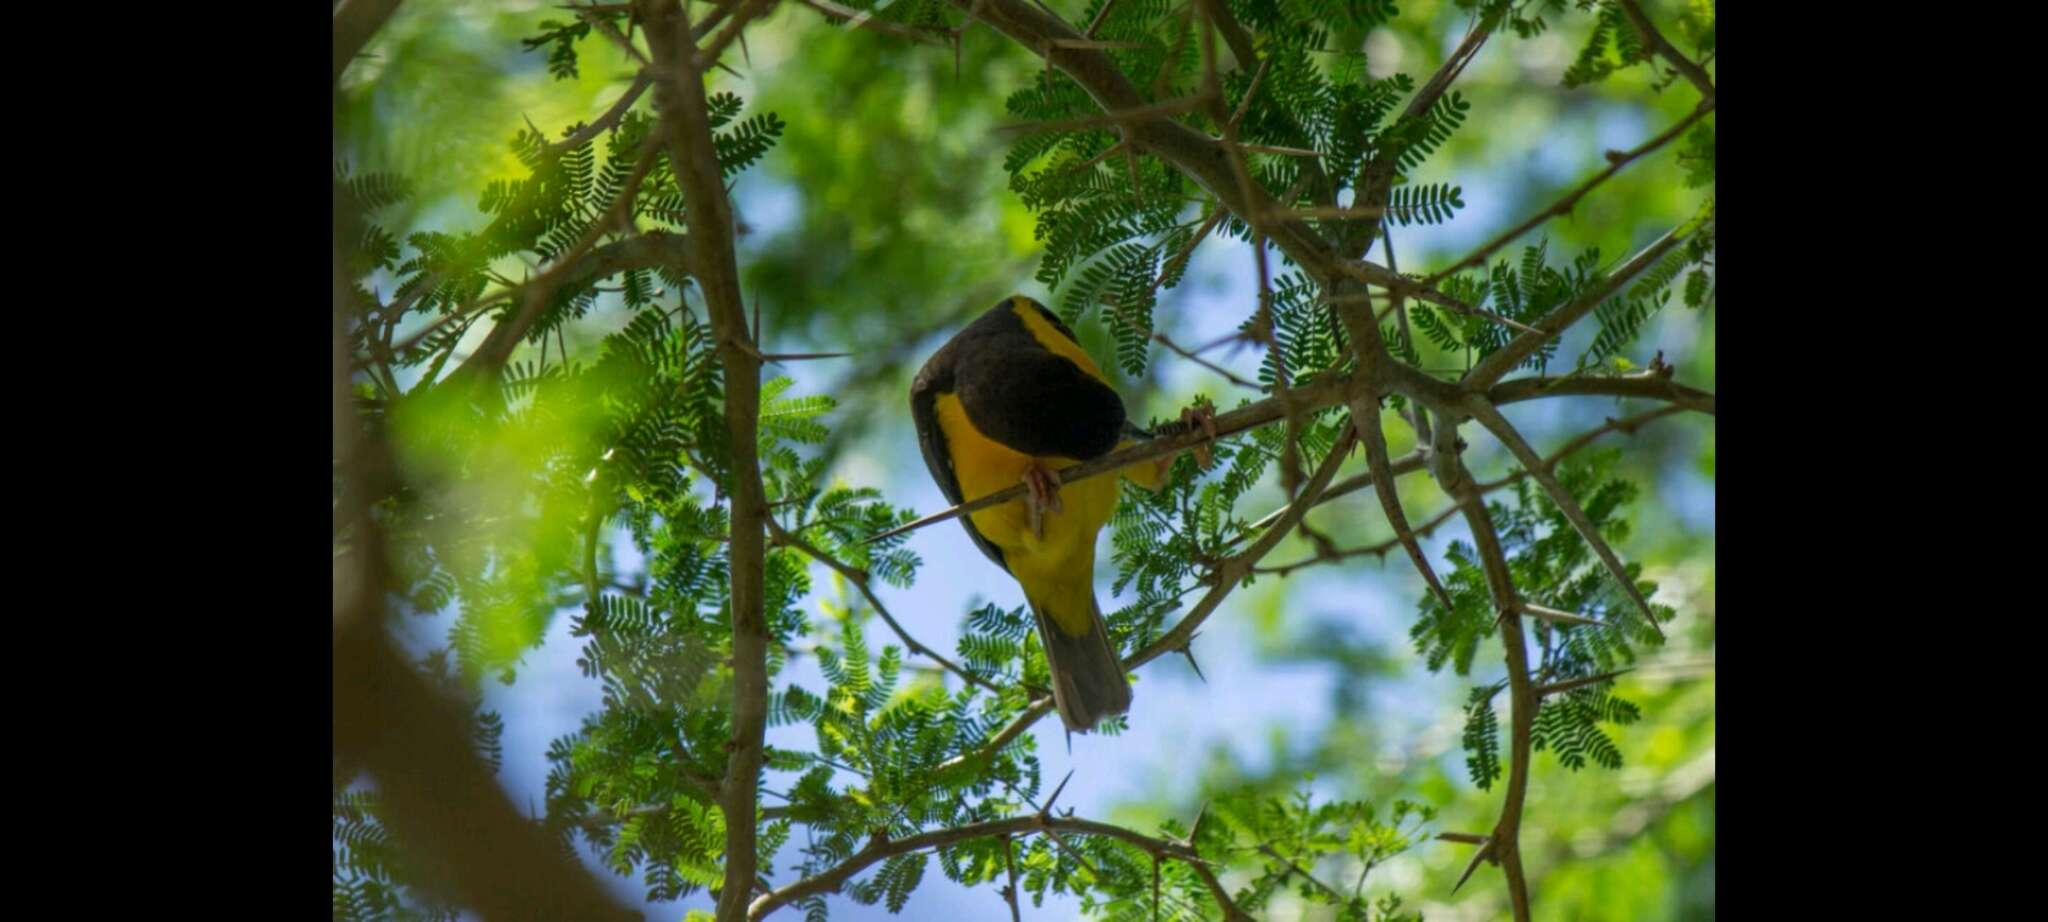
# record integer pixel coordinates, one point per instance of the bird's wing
(934, 379)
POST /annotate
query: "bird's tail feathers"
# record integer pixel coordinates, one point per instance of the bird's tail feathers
(1088, 682)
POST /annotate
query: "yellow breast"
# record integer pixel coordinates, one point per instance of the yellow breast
(1056, 569)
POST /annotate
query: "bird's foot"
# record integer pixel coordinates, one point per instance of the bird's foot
(1041, 493)
(1202, 414)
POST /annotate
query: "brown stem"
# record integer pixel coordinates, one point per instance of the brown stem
(1504, 845)
(537, 293)
(1650, 384)
(680, 94)
(1564, 205)
(1504, 359)
(355, 21)
(881, 849)
(1662, 48)
(1562, 498)
(604, 122)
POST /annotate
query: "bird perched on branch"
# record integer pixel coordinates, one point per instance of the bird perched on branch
(1012, 397)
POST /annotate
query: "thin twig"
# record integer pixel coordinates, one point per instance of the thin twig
(860, 579)
(1654, 385)
(604, 122)
(1658, 45)
(1313, 396)
(1551, 614)
(865, 19)
(1502, 360)
(880, 849)
(1100, 15)
(1564, 205)
(681, 98)
(1581, 682)
(1278, 149)
(1390, 499)
(1303, 874)
(540, 291)
(1562, 498)
(589, 14)
(1222, 578)
(1117, 117)
(746, 12)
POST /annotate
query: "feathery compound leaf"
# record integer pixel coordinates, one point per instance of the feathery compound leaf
(1482, 739)
(1697, 156)
(899, 876)
(747, 142)
(1428, 204)
(560, 40)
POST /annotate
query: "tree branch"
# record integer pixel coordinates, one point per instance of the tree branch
(1201, 157)
(1297, 870)
(1376, 174)
(646, 250)
(540, 291)
(604, 122)
(1503, 846)
(865, 19)
(680, 94)
(439, 795)
(1315, 395)
(1224, 577)
(880, 849)
(1382, 472)
(1654, 385)
(746, 12)
(1562, 498)
(355, 21)
(1235, 568)
(1564, 205)
(1655, 40)
(1504, 359)
(1416, 461)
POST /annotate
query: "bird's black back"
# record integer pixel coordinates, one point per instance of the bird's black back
(1018, 393)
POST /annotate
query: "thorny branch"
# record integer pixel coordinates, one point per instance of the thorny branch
(540, 291)
(880, 849)
(1223, 578)
(1502, 846)
(354, 22)
(1662, 48)
(680, 96)
(604, 122)
(1615, 161)
(1537, 468)
(1504, 359)
(1417, 461)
